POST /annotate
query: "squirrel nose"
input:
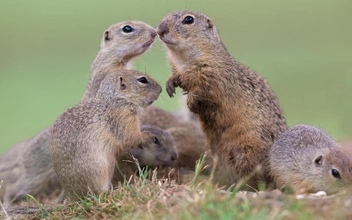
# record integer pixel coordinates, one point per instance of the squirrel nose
(162, 29)
(174, 156)
(153, 34)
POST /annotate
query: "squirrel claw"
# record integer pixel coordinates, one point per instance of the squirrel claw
(170, 88)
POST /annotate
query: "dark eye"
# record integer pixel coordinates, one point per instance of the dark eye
(127, 29)
(188, 20)
(335, 173)
(156, 140)
(106, 36)
(142, 80)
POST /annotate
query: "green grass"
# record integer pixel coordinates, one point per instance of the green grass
(147, 197)
(164, 199)
(303, 49)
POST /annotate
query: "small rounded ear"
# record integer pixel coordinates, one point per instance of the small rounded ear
(122, 84)
(318, 161)
(210, 23)
(107, 36)
(145, 134)
(140, 146)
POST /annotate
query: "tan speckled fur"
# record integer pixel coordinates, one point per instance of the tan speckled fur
(87, 138)
(29, 170)
(302, 159)
(190, 142)
(239, 112)
(158, 117)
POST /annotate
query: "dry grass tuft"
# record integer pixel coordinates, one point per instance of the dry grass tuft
(152, 198)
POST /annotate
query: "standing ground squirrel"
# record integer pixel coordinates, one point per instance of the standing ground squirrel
(239, 113)
(87, 138)
(158, 149)
(32, 172)
(307, 160)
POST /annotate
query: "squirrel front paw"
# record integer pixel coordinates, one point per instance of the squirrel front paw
(170, 87)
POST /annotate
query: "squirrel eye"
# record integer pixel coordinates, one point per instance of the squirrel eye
(156, 140)
(142, 80)
(335, 173)
(188, 20)
(106, 36)
(127, 29)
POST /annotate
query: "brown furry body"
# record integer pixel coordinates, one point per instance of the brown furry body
(158, 117)
(239, 113)
(303, 159)
(87, 138)
(190, 142)
(31, 171)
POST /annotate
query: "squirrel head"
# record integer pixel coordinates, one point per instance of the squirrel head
(126, 40)
(337, 169)
(158, 147)
(128, 87)
(188, 33)
(328, 167)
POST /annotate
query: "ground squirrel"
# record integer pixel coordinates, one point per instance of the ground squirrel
(120, 44)
(239, 113)
(30, 171)
(188, 136)
(158, 149)
(305, 159)
(86, 139)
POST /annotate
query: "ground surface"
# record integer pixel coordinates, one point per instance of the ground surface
(163, 199)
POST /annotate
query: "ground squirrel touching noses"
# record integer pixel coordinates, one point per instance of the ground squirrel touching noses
(30, 170)
(157, 149)
(87, 138)
(238, 111)
(306, 160)
(121, 43)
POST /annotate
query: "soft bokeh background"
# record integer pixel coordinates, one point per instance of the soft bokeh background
(302, 47)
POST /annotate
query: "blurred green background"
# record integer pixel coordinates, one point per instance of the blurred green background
(302, 47)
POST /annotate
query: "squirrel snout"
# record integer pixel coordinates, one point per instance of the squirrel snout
(162, 29)
(153, 34)
(174, 156)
